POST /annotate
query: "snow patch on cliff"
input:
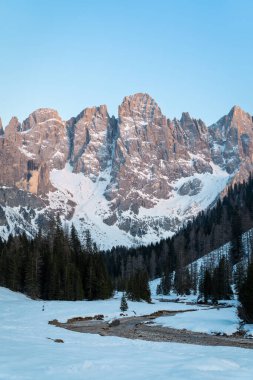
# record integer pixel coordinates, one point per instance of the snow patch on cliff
(92, 207)
(183, 206)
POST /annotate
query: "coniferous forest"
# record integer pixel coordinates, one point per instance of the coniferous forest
(56, 265)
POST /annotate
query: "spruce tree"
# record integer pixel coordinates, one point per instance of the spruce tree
(75, 244)
(221, 281)
(236, 247)
(239, 276)
(123, 303)
(246, 297)
(165, 285)
(31, 276)
(89, 247)
(207, 286)
(182, 281)
(138, 287)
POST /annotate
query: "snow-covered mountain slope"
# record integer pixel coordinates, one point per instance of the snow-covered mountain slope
(131, 180)
(27, 349)
(92, 207)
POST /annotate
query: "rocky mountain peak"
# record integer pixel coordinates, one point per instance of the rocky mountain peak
(40, 117)
(12, 128)
(185, 118)
(90, 113)
(232, 141)
(142, 108)
(236, 110)
(239, 119)
(236, 119)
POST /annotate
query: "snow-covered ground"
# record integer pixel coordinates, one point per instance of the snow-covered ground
(26, 353)
(218, 320)
(204, 319)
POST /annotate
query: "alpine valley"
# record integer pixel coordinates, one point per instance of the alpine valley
(130, 180)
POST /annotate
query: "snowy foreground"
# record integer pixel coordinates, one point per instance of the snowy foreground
(27, 353)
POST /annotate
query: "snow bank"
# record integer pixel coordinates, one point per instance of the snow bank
(219, 320)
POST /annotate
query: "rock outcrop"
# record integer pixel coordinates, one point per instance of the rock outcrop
(146, 174)
(92, 134)
(231, 142)
(31, 149)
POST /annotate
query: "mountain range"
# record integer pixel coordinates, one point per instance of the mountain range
(130, 180)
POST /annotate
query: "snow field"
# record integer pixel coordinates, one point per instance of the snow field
(210, 321)
(27, 354)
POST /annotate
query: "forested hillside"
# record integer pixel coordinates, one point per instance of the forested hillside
(223, 223)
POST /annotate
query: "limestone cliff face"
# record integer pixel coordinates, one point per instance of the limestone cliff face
(141, 151)
(138, 160)
(31, 149)
(92, 134)
(231, 141)
(151, 153)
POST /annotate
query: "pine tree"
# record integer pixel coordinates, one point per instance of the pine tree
(221, 281)
(138, 287)
(75, 243)
(207, 286)
(182, 281)
(32, 276)
(12, 271)
(239, 276)
(145, 289)
(236, 248)
(194, 276)
(123, 304)
(246, 297)
(165, 285)
(88, 242)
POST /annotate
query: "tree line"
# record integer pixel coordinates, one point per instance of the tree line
(54, 266)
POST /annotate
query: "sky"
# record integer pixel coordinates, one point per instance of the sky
(189, 55)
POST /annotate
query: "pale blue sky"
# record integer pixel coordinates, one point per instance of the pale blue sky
(190, 55)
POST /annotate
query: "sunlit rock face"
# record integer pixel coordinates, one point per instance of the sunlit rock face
(143, 174)
(231, 141)
(92, 136)
(29, 150)
(153, 152)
